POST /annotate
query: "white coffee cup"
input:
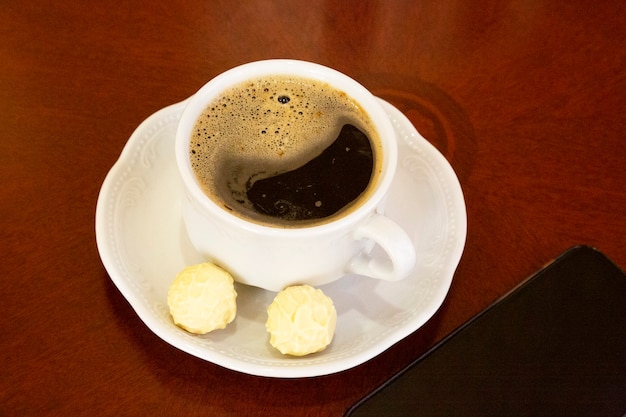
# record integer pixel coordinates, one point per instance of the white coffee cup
(274, 257)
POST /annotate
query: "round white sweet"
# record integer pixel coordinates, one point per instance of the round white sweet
(301, 320)
(202, 298)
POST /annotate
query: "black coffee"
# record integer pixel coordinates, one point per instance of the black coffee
(284, 151)
(322, 186)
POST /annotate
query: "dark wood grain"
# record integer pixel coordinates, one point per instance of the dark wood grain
(525, 98)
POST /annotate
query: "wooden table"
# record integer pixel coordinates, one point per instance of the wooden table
(526, 100)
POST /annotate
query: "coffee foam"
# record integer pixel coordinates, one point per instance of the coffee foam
(264, 127)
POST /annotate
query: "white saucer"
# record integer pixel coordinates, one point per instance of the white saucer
(143, 246)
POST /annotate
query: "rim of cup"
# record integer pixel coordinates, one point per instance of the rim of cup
(212, 89)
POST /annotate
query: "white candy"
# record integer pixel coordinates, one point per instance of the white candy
(301, 320)
(202, 298)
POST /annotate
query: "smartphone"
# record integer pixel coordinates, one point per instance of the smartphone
(554, 346)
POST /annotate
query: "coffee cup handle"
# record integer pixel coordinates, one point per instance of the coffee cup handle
(396, 243)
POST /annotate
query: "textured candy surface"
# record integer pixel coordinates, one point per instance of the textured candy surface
(202, 298)
(301, 320)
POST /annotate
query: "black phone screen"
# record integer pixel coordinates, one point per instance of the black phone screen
(554, 346)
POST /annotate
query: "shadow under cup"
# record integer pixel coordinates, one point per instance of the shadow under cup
(255, 248)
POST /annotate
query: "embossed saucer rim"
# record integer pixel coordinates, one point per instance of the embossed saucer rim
(142, 244)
